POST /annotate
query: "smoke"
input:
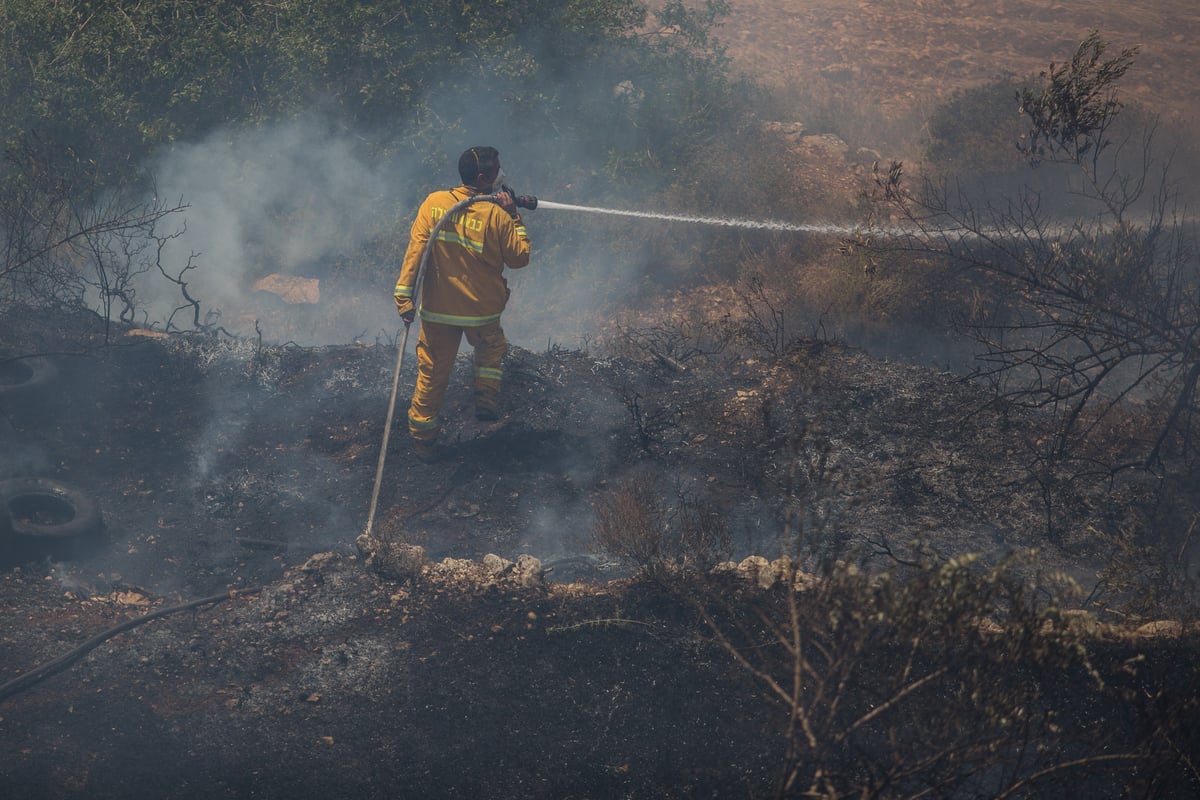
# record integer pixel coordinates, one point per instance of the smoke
(306, 199)
(298, 198)
(557, 532)
(20, 457)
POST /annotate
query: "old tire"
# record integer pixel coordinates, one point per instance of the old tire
(44, 517)
(21, 375)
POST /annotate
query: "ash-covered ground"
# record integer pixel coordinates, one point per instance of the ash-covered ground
(226, 465)
(219, 462)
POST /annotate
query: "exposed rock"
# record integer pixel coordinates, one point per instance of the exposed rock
(825, 144)
(528, 571)
(788, 131)
(290, 288)
(1161, 627)
(288, 694)
(458, 570)
(317, 561)
(491, 570)
(494, 564)
(758, 569)
(392, 559)
(769, 574)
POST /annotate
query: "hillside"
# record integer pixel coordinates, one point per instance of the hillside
(906, 56)
(223, 468)
(857, 577)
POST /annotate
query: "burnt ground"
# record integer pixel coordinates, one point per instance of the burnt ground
(221, 467)
(224, 466)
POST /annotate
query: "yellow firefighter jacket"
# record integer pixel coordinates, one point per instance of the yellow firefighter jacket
(464, 281)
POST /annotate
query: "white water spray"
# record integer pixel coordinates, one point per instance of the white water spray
(765, 225)
(958, 233)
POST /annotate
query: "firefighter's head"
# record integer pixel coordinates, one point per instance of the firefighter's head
(479, 167)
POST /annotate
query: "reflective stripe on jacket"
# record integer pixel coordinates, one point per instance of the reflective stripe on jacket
(464, 281)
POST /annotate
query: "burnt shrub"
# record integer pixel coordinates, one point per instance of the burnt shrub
(951, 676)
(637, 525)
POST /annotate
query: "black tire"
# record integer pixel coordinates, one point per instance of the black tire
(20, 375)
(46, 517)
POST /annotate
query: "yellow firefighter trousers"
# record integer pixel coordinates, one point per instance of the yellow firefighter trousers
(437, 347)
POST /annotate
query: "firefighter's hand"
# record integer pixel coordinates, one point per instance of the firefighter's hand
(406, 309)
(505, 201)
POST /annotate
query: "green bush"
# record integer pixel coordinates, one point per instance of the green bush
(976, 131)
(111, 82)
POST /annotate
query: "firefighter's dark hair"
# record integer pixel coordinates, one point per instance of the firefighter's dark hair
(475, 161)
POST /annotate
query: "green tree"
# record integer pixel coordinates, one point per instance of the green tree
(112, 80)
(596, 91)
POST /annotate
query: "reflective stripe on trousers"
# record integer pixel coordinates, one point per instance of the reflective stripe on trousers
(437, 347)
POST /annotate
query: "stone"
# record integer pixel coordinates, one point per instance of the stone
(528, 571)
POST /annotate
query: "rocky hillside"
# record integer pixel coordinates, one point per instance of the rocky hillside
(908, 55)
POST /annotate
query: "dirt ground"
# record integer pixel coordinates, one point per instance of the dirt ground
(227, 468)
(902, 54)
(516, 662)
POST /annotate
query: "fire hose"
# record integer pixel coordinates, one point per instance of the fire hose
(522, 201)
(57, 665)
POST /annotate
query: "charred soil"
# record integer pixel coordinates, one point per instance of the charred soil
(227, 466)
(231, 468)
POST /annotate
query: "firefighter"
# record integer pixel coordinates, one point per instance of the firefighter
(463, 290)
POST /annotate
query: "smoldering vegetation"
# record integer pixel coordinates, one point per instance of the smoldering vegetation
(855, 479)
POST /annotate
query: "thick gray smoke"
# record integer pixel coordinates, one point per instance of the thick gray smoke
(302, 200)
(288, 199)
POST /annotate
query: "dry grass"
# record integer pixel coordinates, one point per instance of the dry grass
(901, 56)
(637, 525)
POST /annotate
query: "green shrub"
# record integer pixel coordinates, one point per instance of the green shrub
(976, 131)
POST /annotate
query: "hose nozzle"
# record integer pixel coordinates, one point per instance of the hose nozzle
(523, 201)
